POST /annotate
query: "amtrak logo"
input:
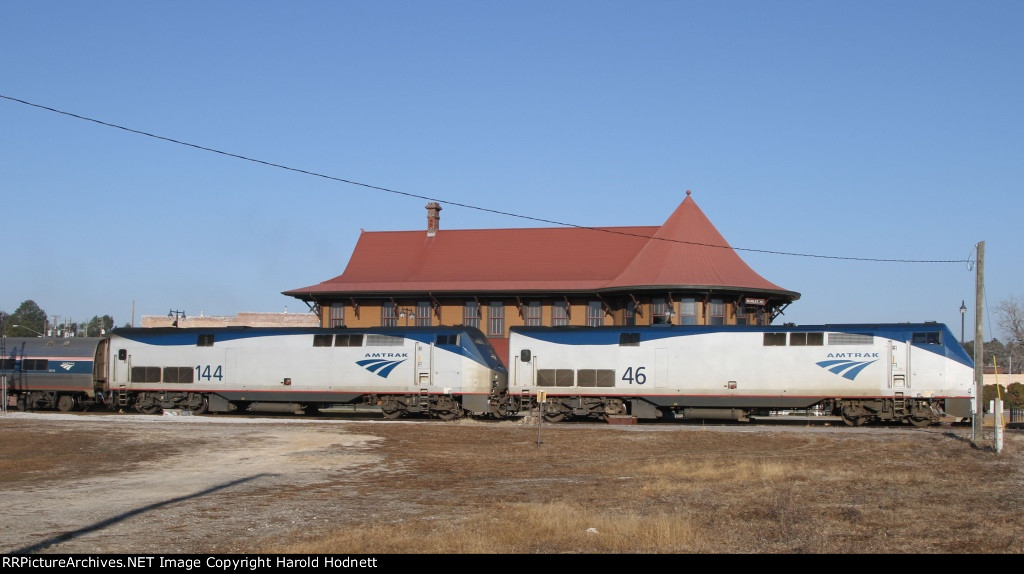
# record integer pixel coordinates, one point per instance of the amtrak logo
(67, 365)
(848, 369)
(381, 367)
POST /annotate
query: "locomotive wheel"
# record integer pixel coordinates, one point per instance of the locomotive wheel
(919, 422)
(150, 410)
(853, 421)
(389, 407)
(204, 405)
(66, 403)
(451, 414)
(554, 417)
(500, 410)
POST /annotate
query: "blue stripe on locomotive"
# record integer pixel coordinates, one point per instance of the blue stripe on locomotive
(948, 346)
(426, 335)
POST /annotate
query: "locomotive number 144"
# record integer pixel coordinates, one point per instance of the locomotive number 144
(208, 372)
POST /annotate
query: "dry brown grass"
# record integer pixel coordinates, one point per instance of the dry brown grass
(603, 490)
(490, 488)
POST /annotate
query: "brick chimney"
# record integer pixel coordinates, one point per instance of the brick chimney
(433, 218)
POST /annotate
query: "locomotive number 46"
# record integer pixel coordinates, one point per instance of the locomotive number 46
(635, 375)
(203, 372)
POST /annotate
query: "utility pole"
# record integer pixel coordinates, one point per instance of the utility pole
(979, 348)
(3, 373)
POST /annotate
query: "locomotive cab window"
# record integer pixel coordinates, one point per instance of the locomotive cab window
(629, 339)
(322, 340)
(205, 341)
(452, 339)
(774, 339)
(927, 338)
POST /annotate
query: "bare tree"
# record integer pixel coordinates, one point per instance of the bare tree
(1011, 319)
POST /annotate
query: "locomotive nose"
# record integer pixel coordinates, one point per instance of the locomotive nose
(499, 381)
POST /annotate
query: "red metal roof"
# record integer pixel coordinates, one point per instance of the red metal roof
(687, 251)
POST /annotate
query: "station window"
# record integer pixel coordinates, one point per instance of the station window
(745, 315)
(687, 311)
(532, 314)
(471, 314)
(661, 314)
(560, 314)
(496, 319)
(630, 316)
(337, 315)
(717, 312)
(423, 309)
(595, 314)
(388, 316)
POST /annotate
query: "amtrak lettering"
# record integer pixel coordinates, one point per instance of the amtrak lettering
(382, 367)
(387, 355)
(846, 368)
(852, 355)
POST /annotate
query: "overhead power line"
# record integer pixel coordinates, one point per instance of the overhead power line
(465, 205)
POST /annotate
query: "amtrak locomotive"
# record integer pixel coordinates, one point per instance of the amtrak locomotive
(910, 373)
(445, 372)
(905, 373)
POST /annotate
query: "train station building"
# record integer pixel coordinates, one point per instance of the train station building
(682, 272)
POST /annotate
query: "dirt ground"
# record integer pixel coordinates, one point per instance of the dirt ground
(119, 483)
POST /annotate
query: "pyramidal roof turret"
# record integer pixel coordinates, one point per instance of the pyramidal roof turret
(687, 252)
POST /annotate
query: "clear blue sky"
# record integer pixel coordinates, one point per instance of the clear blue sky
(857, 129)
